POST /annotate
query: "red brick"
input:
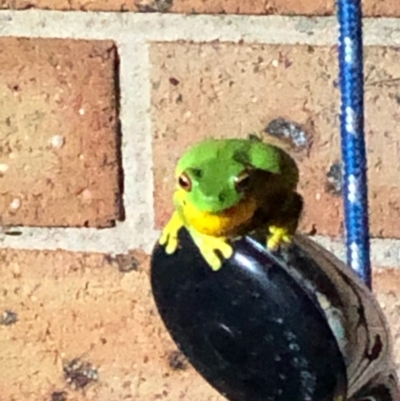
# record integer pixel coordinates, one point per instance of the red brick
(58, 133)
(305, 7)
(81, 306)
(286, 7)
(230, 90)
(91, 5)
(386, 284)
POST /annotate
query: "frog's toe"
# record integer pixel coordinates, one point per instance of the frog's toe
(279, 236)
(172, 244)
(169, 240)
(218, 247)
(273, 243)
(213, 249)
(212, 259)
(169, 235)
(225, 249)
(216, 253)
(163, 238)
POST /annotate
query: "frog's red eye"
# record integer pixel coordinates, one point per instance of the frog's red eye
(185, 182)
(242, 181)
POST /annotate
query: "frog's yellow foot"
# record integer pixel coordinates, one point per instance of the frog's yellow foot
(169, 235)
(170, 240)
(212, 249)
(278, 236)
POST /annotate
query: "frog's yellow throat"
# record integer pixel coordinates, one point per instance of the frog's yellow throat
(214, 224)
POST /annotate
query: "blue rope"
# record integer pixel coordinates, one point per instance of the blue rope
(355, 191)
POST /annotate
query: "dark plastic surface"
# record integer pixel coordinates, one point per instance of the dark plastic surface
(249, 329)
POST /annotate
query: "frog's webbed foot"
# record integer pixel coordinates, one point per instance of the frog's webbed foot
(169, 235)
(279, 235)
(212, 248)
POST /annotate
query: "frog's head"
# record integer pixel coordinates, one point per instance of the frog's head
(216, 174)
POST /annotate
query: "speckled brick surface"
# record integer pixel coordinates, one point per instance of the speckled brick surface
(227, 90)
(100, 310)
(83, 306)
(288, 7)
(386, 284)
(59, 163)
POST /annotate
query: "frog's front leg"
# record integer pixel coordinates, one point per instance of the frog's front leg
(285, 222)
(279, 235)
(212, 248)
(169, 235)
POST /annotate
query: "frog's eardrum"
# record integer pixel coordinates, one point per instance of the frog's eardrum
(299, 326)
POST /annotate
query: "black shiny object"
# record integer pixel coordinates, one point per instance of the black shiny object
(249, 329)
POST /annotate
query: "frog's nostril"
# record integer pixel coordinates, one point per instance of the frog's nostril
(221, 197)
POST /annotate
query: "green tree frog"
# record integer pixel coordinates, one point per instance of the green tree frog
(229, 187)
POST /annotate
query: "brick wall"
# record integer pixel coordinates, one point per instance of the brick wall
(95, 109)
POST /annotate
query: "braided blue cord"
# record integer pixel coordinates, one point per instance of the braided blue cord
(355, 191)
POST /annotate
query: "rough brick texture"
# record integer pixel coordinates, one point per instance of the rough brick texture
(71, 306)
(81, 306)
(227, 90)
(386, 284)
(288, 7)
(59, 161)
